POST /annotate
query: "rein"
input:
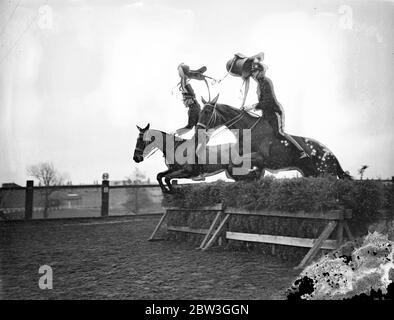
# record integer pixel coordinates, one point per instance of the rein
(228, 123)
(154, 150)
(149, 154)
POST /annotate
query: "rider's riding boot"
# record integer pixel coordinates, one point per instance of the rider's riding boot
(306, 160)
(302, 153)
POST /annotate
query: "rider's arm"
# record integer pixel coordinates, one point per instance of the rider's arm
(187, 91)
(193, 115)
(189, 99)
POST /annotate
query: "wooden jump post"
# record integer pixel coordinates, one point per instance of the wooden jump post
(105, 198)
(219, 208)
(29, 197)
(392, 197)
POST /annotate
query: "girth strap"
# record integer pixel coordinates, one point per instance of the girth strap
(246, 82)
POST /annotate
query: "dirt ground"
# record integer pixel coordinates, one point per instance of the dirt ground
(112, 259)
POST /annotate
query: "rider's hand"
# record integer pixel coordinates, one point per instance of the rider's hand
(255, 106)
(188, 100)
(181, 70)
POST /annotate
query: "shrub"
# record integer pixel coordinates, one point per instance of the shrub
(364, 197)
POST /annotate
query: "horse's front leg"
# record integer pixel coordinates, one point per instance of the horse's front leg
(159, 178)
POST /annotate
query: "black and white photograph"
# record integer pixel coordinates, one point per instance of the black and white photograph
(200, 157)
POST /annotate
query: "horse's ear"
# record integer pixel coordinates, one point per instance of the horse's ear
(139, 128)
(147, 127)
(213, 102)
(203, 101)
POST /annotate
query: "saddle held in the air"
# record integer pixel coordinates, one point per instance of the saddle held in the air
(184, 70)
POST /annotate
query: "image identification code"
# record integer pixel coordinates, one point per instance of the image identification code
(198, 309)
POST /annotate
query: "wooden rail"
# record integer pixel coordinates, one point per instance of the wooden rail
(330, 215)
(287, 241)
(187, 229)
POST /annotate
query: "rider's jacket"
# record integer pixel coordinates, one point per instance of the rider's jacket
(190, 101)
(266, 96)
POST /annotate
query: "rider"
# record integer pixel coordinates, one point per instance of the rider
(245, 67)
(189, 97)
(190, 101)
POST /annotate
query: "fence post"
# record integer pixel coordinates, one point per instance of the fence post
(392, 196)
(104, 198)
(29, 199)
(392, 186)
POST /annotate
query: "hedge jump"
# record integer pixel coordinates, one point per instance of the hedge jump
(336, 219)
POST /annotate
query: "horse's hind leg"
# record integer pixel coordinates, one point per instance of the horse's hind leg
(252, 171)
(307, 170)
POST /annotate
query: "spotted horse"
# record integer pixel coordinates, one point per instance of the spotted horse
(269, 151)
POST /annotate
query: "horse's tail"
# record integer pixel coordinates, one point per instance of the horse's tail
(342, 174)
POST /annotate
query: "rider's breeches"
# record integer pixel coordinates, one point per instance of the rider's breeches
(275, 120)
(280, 123)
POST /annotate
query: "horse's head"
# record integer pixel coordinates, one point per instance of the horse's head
(215, 114)
(142, 143)
(209, 116)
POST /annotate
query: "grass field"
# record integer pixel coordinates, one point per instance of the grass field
(112, 259)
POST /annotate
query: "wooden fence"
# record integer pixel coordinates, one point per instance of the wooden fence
(28, 209)
(336, 219)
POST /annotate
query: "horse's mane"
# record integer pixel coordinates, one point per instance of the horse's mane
(222, 108)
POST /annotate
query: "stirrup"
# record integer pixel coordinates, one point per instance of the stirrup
(304, 155)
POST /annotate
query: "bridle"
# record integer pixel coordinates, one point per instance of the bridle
(141, 150)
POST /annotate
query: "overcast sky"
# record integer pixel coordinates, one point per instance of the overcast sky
(77, 76)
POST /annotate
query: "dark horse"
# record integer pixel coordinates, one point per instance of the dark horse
(181, 159)
(269, 151)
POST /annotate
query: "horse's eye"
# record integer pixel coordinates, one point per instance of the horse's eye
(152, 139)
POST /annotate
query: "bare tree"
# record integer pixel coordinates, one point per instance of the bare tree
(362, 170)
(48, 177)
(137, 177)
